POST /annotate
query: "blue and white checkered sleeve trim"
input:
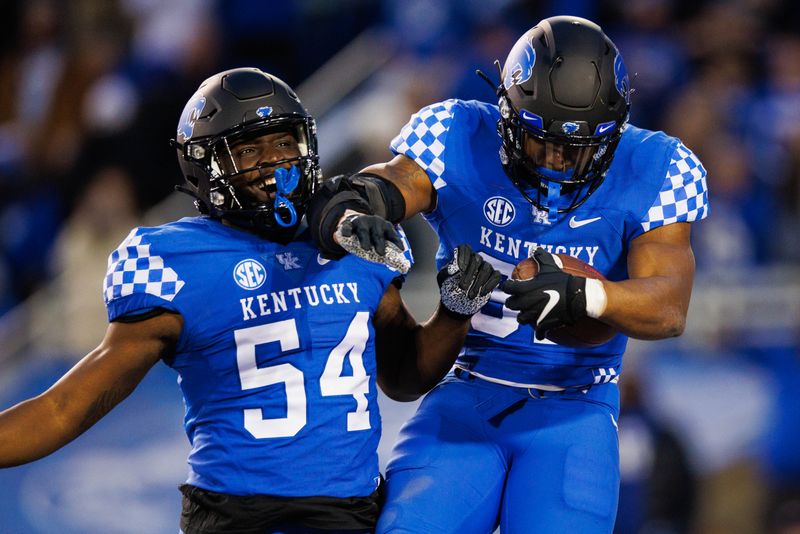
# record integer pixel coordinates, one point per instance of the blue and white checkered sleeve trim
(605, 375)
(684, 195)
(423, 139)
(407, 250)
(132, 269)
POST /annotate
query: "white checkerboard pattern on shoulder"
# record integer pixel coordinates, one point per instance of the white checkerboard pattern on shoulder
(684, 195)
(132, 269)
(422, 139)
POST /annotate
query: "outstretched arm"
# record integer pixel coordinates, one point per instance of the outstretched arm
(412, 357)
(102, 379)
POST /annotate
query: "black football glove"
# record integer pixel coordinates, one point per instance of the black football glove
(549, 300)
(372, 238)
(466, 282)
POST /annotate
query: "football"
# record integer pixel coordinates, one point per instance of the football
(587, 332)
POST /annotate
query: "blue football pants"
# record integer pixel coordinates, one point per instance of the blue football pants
(478, 454)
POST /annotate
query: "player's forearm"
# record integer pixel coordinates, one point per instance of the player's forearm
(438, 343)
(40, 426)
(647, 308)
(31, 430)
(414, 358)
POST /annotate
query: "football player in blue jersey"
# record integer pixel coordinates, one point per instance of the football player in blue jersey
(278, 350)
(523, 433)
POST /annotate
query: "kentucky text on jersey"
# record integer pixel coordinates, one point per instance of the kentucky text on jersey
(520, 248)
(654, 180)
(276, 360)
(276, 301)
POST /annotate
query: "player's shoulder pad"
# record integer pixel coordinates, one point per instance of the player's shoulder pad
(425, 134)
(428, 134)
(683, 195)
(640, 163)
(651, 152)
(142, 264)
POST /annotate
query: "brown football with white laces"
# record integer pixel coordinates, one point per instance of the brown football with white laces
(586, 332)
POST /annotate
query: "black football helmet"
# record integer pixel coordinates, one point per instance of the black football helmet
(564, 100)
(233, 108)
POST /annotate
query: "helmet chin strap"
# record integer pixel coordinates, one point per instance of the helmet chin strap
(553, 199)
(285, 183)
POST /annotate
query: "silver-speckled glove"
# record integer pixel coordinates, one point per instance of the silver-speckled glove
(466, 282)
(372, 238)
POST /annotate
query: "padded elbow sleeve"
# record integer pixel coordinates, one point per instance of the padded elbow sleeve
(325, 209)
(366, 193)
(383, 196)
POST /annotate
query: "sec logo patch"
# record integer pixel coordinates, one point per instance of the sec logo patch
(249, 274)
(499, 211)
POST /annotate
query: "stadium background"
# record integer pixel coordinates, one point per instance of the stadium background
(91, 90)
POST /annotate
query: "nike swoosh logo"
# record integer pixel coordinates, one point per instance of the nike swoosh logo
(575, 223)
(604, 128)
(554, 298)
(321, 260)
(531, 118)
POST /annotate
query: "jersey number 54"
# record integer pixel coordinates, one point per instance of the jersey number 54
(331, 382)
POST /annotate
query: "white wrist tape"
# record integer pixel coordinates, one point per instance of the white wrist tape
(596, 299)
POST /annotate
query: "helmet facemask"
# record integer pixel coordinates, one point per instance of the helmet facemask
(268, 194)
(247, 149)
(555, 172)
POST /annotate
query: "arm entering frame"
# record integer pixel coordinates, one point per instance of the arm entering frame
(43, 424)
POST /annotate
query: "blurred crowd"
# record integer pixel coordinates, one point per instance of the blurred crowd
(90, 96)
(722, 76)
(92, 89)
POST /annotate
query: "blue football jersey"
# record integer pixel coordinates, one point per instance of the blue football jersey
(654, 180)
(276, 360)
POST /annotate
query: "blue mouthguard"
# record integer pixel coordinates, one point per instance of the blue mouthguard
(285, 182)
